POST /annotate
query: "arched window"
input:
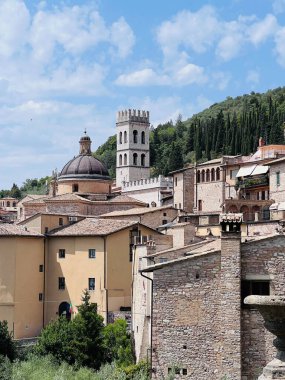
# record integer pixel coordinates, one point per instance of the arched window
(8, 203)
(213, 177)
(14, 204)
(143, 137)
(143, 160)
(120, 160)
(64, 310)
(218, 172)
(120, 138)
(203, 176)
(135, 159)
(135, 136)
(125, 159)
(125, 137)
(208, 175)
(198, 176)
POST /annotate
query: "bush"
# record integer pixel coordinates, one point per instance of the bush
(5, 368)
(7, 346)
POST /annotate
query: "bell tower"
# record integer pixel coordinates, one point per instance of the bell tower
(132, 146)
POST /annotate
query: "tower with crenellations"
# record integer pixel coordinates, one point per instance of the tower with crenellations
(132, 146)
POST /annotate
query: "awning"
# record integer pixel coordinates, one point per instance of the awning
(274, 207)
(260, 169)
(281, 206)
(277, 206)
(245, 171)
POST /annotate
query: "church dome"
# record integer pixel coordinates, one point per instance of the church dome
(84, 166)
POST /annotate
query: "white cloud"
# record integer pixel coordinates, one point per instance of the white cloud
(143, 77)
(14, 23)
(122, 37)
(196, 30)
(190, 74)
(260, 31)
(280, 46)
(220, 80)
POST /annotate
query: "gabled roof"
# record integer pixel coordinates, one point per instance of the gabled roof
(126, 199)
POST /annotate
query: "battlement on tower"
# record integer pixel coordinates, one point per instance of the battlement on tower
(133, 115)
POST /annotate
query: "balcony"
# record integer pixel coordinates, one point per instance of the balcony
(252, 182)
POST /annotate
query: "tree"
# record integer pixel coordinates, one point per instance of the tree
(7, 346)
(118, 343)
(175, 160)
(77, 341)
(15, 192)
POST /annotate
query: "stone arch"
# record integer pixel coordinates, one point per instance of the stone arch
(120, 160)
(233, 208)
(198, 176)
(218, 174)
(125, 137)
(203, 176)
(245, 211)
(125, 159)
(143, 160)
(64, 310)
(213, 174)
(208, 175)
(143, 137)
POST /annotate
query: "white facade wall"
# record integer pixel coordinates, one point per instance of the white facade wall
(277, 191)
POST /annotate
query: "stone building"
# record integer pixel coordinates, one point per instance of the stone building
(200, 325)
(183, 188)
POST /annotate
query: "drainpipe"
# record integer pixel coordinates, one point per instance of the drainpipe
(196, 186)
(151, 316)
(105, 277)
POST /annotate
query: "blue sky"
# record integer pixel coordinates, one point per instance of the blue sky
(70, 65)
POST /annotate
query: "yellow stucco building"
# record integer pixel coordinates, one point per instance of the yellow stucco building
(42, 275)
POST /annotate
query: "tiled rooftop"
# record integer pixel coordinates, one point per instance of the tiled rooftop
(93, 227)
(135, 211)
(15, 230)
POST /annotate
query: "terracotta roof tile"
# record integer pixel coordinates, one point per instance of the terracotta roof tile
(93, 226)
(15, 230)
(135, 211)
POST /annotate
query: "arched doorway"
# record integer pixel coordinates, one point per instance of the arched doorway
(245, 211)
(64, 310)
(233, 209)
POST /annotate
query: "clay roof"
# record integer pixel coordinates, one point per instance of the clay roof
(277, 161)
(93, 227)
(126, 199)
(214, 161)
(135, 211)
(15, 230)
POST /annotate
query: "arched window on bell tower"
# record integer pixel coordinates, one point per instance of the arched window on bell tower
(125, 159)
(120, 160)
(143, 137)
(125, 137)
(135, 159)
(120, 138)
(143, 160)
(135, 136)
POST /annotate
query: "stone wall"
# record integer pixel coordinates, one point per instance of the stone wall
(185, 334)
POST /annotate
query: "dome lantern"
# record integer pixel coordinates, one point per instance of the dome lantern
(85, 144)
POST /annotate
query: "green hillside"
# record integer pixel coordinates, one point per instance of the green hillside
(232, 126)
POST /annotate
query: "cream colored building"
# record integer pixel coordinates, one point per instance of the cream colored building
(21, 280)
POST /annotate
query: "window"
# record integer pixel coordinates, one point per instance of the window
(125, 137)
(143, 160)
(75, 188)
(175, 181)
(162, 260)
(208, 175)
(218, 172)
(120, 137)
(125, 159)
(92, 253)
(61, 283)
(277, 178)
(135, 159)
(143, 137)
(41, 268)
(120, 160)
(131, 254)
(164, 214)
(41, 296)
(198, 176)
(233, 173)
(180, 206)
(213, 174)
(256, 287)
(91, 283)
(61, 253)
(203, 176)
(184, 371)
(164, 221)
(46, 230)
(60, 221)
(135, 136)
